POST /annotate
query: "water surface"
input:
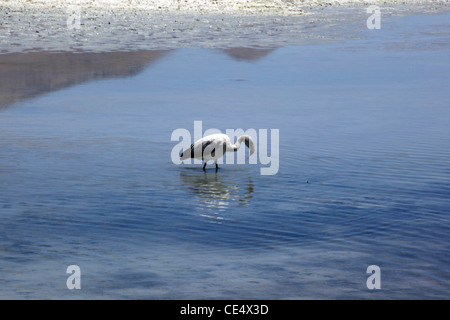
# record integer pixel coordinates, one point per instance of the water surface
(86, 176)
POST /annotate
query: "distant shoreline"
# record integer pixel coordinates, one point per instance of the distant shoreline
(241, 7)
(114, 25)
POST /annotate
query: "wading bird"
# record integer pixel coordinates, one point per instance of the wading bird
(214, 146)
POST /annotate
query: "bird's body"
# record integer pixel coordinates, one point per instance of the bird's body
(214, 146)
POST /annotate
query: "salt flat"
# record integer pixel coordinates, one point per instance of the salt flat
(107, 25)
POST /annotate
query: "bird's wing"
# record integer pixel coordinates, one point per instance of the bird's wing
(207, 146)
(197, 149)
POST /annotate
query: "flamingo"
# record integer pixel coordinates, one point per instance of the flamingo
(214, 146)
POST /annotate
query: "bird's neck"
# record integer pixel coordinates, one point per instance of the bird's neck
(238, 143)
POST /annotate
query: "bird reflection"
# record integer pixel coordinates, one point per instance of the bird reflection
(215, 192)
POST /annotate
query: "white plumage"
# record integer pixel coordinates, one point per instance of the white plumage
(214, 146)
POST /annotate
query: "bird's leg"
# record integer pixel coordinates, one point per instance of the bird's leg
(204, 166)
(217, 166)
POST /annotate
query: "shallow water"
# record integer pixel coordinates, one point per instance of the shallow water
(86, 176)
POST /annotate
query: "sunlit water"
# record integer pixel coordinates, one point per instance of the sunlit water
(86, 178)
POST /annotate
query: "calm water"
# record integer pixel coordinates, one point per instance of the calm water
(86, 176)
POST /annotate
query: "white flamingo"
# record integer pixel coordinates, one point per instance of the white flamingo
(214, 146)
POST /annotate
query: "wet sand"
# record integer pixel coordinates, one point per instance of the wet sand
(154, 25)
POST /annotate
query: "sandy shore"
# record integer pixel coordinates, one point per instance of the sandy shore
(111, 25)
(241, 7)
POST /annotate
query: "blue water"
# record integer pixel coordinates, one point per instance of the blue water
(86, 178)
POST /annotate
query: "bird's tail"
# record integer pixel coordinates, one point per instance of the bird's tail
(188, 153)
